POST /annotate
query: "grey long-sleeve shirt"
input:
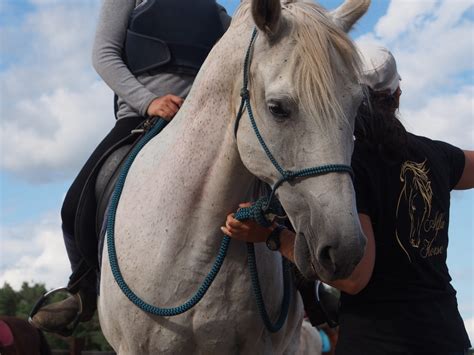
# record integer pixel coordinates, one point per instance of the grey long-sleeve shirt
(135, 92)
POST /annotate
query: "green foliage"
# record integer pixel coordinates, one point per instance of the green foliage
(8, 300)
(27, 297)
(20, 303)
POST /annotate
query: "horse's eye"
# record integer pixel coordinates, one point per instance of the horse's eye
(278, 110)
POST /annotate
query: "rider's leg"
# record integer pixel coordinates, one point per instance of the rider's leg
(83, 280)
(59, 316)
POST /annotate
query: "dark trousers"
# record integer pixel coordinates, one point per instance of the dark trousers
(122, 129)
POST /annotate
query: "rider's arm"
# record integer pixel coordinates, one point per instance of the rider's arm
(107, 55)
(467, 178)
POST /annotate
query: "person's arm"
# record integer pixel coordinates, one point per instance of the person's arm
(108, 62)
(363, 272)
(250, 231)
(467, 178)
(361, 275)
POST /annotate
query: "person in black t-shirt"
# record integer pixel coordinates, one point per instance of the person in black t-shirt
(403, 184)
(399, 299)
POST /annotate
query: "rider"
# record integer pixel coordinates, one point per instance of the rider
(148, 52)
(402, 301)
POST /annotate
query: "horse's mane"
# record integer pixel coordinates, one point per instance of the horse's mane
(317, 40)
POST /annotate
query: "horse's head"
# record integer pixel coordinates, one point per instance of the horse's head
(304, 95)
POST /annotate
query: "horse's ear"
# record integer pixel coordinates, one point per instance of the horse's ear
(346, 15)
(267, 15)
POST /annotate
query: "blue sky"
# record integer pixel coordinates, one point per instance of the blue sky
(54, 109)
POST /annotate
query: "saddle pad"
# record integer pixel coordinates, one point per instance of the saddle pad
(87, 223)
(6, 335)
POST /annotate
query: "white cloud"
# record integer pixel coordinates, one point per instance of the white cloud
(55, 133)
(469, 324)
(448, 117)
(433, 45)
(401, 16)
(34, 252)
(54, 108)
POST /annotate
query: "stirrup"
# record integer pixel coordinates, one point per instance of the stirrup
(39, 304)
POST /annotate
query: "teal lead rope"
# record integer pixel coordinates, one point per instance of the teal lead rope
(113, 254)
(257, 212)
(243, 213)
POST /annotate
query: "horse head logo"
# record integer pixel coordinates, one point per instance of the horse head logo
(417, 194)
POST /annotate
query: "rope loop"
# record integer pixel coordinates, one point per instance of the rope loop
(287, 175)
(244, 93)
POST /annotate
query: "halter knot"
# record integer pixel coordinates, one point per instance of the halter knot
(244, 93)
(255, 212)
(287, 174)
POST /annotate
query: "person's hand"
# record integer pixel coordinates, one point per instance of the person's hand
(247, 231)
(165, 106)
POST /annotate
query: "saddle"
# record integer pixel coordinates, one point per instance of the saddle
(95, 196)
(6, 335)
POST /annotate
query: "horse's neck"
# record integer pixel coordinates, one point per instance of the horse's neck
(202, 167)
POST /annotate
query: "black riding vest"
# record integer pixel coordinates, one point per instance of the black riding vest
(171, 35)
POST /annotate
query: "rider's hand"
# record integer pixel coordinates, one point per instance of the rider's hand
(165, 106)
(247, 231)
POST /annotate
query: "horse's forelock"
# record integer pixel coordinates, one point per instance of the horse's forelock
(317, 40)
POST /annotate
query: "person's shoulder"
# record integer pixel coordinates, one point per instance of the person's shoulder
(417, 142)
(363, 149)
(362, 146)
(364, 153)
(414, 139)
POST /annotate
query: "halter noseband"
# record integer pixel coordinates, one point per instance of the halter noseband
(286, 175)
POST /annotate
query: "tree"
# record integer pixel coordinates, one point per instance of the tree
(20, 303)
(8, 300)
(27, 298)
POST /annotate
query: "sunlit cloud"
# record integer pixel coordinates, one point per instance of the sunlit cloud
(34, 252)
(432, 43)
(54, 107)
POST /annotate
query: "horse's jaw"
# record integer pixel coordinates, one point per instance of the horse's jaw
(329, 240)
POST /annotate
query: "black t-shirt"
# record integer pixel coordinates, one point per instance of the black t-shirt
(409, 303)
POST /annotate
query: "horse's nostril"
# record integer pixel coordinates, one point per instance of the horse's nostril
(324, 253)
(326, 257)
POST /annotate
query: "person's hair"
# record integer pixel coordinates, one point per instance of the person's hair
(378, 126)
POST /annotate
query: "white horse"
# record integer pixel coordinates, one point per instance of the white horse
(304, 94)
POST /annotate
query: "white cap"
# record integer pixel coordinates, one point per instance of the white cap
(379, 68)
